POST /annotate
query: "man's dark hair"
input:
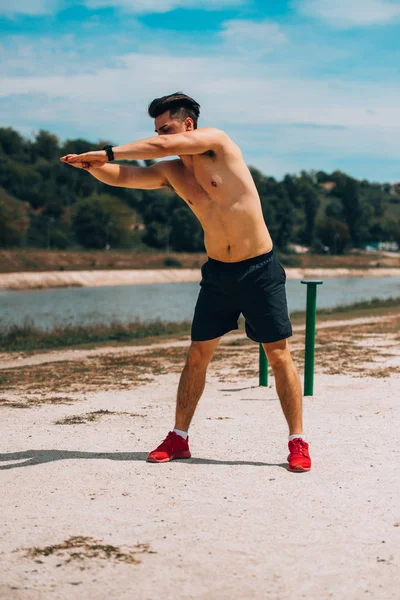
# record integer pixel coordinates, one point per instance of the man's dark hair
(179, 105)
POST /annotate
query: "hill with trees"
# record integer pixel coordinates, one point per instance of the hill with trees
(47, 204)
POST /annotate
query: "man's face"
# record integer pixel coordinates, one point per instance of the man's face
(166, 125)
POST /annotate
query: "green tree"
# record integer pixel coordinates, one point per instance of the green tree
(393, 230)
(102, 220)
(158, 208)
(376, 198)
(12, 143)
(157, 235)
(347, 190)
(77, 146)
(186, 231)
(46, 145)
(14, 220)
(310, 202)
(334, 234)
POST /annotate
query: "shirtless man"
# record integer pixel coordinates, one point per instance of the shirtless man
(242, 274)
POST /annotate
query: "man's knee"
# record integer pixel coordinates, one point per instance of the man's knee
(278, 354)
(201, 353)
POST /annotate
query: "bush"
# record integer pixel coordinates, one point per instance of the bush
(27, 336)
(170, 261)
(14, 220)
(334, 234)
(289, 260)
(102, 220)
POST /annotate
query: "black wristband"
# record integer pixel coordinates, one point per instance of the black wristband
(109, 150)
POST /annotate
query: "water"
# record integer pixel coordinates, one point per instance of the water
(166, 301)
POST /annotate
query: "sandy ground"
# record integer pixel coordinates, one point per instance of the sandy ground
(51, 279)
(84, 515)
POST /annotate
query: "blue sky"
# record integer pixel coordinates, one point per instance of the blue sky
(298, 84)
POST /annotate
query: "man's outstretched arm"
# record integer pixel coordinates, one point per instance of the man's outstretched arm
(140, 178)
(177, 144)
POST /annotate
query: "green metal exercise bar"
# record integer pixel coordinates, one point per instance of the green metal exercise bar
(311, 317)
(263, 373)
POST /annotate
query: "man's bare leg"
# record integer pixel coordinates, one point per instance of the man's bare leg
(192, 381)
(287, 383)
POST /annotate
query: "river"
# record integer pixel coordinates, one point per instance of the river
(166, 301)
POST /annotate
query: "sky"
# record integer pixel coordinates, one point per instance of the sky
(297, 84)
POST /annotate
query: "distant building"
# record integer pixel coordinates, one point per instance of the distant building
(382, 246)
(298, 249)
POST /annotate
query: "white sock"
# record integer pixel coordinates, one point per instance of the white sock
(183, 434)
(297, 435)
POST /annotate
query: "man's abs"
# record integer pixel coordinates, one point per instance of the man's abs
(222, 195)
(236, 233)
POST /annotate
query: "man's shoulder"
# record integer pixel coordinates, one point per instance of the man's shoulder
(221, 139)
(213, 132)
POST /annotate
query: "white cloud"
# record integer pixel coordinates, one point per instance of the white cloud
(30, 7)
(345, 14)
(283, 121)
(44, 7)
(24, 56)
(251, 37)
(162, 6)
(232, 91)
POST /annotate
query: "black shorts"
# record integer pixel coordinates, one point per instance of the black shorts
(254, 287)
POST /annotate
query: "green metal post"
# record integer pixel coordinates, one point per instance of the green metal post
(311, 317)
(263, 381)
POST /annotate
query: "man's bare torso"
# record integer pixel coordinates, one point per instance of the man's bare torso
(219, 189)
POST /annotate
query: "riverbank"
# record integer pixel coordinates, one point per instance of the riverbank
(35, 260)
(60, 279)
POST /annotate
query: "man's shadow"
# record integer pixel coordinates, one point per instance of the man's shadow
(40, 457)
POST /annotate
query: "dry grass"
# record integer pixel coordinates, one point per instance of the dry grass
(93, 416)
(12, 261)
(357, 350)
(80, 549)
(31, 401)
(108, 372)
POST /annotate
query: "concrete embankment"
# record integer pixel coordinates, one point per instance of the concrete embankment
(56, 279)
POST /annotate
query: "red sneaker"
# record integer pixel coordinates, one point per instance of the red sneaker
(299, 458)
(174, 446)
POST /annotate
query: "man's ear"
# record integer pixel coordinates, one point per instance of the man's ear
(188, 124)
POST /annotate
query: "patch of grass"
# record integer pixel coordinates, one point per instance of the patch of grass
(11, 404)
(33, 259)
(79, 548)
(217, 418)
(29, 402)
(365, 308)
(240, 342)
(92, 416)
(289, 260)
(366, 304)
(27, 337)
(107, 372)
(18, 260)
(170, 261)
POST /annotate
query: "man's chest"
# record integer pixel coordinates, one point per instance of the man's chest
(197, 180)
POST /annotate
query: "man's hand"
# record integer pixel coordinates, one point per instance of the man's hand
(87, 160)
